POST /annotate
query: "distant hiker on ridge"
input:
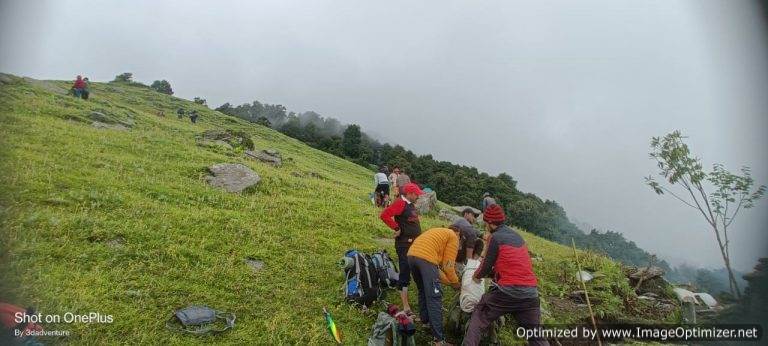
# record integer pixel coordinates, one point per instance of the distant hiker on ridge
(514, 286)
(431, 259)
(79, 86)
(86, 88)
(193, 116)
(381, 192)
(403, 218)
(487, 201)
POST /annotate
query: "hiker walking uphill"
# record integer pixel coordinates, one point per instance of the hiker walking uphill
(381, 192)
(514, 287)
(402, 180)
(432, 258)
(403, 218)
(393, 181)
(468, 235)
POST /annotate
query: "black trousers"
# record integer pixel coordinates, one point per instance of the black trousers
(427, 277)
(402, 261)
(495, 304)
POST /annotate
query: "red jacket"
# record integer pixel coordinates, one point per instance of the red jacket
(507, 260)
(402, 216)
(79, 84)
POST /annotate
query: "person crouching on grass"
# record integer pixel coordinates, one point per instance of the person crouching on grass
(432, 260)
(514, 286)
(403, 218)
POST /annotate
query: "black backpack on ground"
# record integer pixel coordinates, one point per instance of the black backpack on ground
(361, 282)
(386, 271)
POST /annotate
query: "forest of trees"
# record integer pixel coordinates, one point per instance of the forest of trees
(455, 184)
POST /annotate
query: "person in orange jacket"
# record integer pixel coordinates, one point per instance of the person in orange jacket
(432, 260)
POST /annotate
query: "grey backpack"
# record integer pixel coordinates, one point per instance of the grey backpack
(200, 320)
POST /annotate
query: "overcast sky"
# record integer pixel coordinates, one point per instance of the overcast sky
(562, 95)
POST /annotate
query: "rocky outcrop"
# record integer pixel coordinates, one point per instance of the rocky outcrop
(232, 177)
(232, 139)
(271, 157)
(426, 202)
(101, 120)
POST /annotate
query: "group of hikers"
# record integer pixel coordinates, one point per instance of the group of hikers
(386, 182)
(193, 115)
(439, 256)
(81, 87)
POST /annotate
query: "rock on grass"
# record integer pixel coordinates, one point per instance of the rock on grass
(232, 177)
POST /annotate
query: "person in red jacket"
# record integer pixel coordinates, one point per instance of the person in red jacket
(79, 86)
(514, 286)
(403, 218)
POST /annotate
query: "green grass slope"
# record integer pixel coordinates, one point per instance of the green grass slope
(123, 223)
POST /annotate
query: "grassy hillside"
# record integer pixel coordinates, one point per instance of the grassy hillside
(123, 223)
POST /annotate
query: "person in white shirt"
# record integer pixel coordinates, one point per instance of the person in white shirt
(381, 193)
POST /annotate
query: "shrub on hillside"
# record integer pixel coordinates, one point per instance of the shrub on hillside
(162, 86)
(200, 101)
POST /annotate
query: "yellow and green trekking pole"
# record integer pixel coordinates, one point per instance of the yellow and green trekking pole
(332, 326)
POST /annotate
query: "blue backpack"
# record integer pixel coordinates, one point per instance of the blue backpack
(361, 282)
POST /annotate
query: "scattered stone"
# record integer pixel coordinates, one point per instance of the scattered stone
(233, 138)
(118, 127)
(255, 264)
(101, 117)
(584, 276)
(645, 273)
(426, 202)
(272, 152)
(448, 216)
(134, 293)
(232, 177)
(269, 156)
(116, 242)
(214, 144)
(460, 209)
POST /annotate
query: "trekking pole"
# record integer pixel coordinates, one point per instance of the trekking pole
(586, 294)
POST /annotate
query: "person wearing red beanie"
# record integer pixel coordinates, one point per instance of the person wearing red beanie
(514, 287)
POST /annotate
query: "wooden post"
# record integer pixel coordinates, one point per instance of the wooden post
(586, 294)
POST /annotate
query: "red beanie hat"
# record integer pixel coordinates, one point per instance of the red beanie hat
(494, 214)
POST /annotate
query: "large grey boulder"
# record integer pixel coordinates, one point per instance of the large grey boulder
(271, 157)
(232, 177)
(426, 202)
